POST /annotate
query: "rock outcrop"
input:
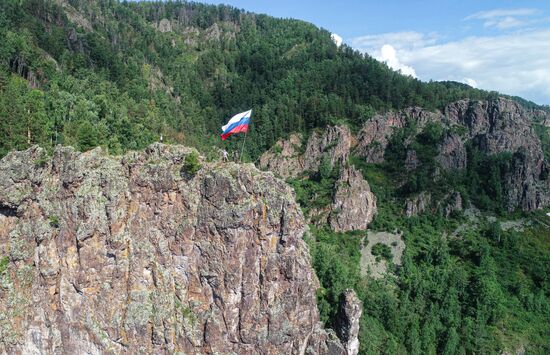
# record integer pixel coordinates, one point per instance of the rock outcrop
(374, 136)
(125, 255)
(334, 142)
(452, 153)
(354, 204)
(492, 127)
(504, 126)
(285, 158)
(349, 314)
(417, 204)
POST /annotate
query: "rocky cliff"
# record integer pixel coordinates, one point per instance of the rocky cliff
(134, 255)
(490, 127)
(353, 204)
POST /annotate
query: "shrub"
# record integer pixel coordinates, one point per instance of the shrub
(381, 251)
(4, 263)
(191, 165)
(54, 221)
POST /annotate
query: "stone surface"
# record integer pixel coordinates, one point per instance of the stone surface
(417, 204)
(411, 161)
(453, 204)
(124, 255)
(164, 25)
(349, 314)
(494, 126)
(285, 158)
(333, 141)
(354, 205)
(373, 138)
(452, 153)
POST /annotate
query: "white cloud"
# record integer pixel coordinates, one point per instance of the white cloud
(337, 39)
(485, 15)
(504, 19)
(515, 64)
(397, 40)
(470, 82)
(389, 56)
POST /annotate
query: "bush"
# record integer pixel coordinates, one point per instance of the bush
(381, 251)
(191, 165)
(4, 264)
(54, 221)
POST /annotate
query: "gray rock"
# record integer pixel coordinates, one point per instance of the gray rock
(333, 141)
(452, 153)
(354, 205)
(285, 158)
(411, 161)
(347, 327)
(417, 205)
(123, 255)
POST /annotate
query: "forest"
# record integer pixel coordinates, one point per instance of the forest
(89, 73)
(122, 75)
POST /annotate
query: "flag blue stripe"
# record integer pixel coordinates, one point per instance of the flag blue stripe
(243, 121)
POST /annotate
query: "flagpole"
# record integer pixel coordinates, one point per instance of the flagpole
(242, 148)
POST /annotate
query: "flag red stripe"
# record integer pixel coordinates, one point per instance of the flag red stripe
(237, 129)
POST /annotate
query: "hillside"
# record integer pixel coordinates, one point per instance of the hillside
(121, 74)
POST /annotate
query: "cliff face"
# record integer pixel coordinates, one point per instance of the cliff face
(353, 204)
(125, 255)
(493, 127)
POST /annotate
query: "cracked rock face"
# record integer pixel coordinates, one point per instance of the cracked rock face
(124, 255)
(493, 127)
(285, 158)
(334, 141)
(374, 136)
(349, 314)
(354, 205)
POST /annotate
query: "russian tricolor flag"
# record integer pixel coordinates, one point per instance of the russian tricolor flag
(237, 124)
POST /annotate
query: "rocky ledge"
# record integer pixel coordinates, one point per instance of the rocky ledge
(133, 255)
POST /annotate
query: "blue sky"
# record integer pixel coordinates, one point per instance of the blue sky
(494, 45)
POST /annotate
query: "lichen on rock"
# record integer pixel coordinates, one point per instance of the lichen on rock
(140, 259)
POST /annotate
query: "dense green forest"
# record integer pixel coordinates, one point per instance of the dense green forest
(478, 293)
(466, 285)
(121, 75)
(103, 72)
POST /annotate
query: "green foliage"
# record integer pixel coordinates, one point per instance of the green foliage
(191, 164)
(87, 136)
(113, 80)
(483, 179)
(4, 261)
(186, 312)
(381, 250)
(317, 189)
(53, 221)
(122, 84)
(336, 261)
(42, 160)
(482, 292)
(544, 135)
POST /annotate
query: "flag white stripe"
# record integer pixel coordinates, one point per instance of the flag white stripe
(237, 118)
